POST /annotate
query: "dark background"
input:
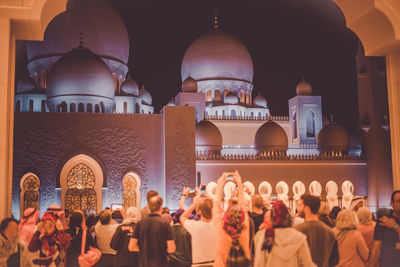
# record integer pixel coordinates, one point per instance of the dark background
(287, 39)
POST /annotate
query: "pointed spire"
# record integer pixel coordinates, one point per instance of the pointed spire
(216, 26)
(331, 119)
(80, 39)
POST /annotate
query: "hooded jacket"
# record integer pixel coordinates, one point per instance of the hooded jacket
(290, 249)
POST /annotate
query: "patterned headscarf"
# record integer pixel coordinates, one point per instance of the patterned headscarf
(280, 218)
(233, 221)
(27, 226)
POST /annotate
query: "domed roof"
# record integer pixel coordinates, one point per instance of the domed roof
(208, 137)
(130, 87)
(25, 84)
(231, 98)
(270, 137)
(260, 101)
(217, 55)
(333, 137)
(145, 96)
(80, 72)
(103, 31)
(304, 88)
(189, 85)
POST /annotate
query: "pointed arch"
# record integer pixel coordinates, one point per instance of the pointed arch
(29, 196)
(81, 181)
(131, 190)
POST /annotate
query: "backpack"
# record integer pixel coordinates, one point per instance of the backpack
(236, 256)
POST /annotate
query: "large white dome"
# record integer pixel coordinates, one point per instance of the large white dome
(80, 76)
(103, 30)
(218, 56)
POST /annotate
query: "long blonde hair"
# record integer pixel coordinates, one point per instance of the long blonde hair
(364, 215)
(345, 222)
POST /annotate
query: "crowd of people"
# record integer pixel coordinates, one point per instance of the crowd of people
(245, 230)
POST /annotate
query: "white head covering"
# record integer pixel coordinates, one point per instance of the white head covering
(132, 215)
(355, 201)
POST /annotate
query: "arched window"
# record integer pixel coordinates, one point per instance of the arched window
(115, 81)
(89, 108)
(233, 113)
(226, 91)
(137, 108)
(131, 185)
(217, 94)
(247, 98)
(72, 107)
(43, 79)
(96, 108)
(30, 105)
(310, 121)
(208, 95)
(242, 97)
(294, 124)
(216, 113)
(251, 114)
(43, 105)
(63, 107)
(18, 106)
(81, 181)
(125, 107)
(223, 113)
(81, 107)
(29, 198)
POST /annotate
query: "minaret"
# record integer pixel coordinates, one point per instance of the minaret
(373, 111)
(305, 115)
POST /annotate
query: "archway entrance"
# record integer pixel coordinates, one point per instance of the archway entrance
(81, 180)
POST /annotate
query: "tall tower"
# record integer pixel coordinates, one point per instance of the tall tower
(373, 111)
(305, 115)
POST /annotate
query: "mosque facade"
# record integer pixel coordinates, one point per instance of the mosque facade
(86, 137)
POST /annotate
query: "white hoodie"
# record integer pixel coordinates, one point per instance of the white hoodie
(290, 249)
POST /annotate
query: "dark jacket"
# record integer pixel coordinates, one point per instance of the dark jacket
(74, 250)
(120, 242)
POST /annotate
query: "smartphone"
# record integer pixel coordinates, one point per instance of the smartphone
(192, 193)
(116, 206)
(230, 176)
(203, 189)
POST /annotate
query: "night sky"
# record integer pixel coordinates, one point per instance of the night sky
(287, 39)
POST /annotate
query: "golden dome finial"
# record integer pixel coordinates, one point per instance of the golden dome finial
(216, 19)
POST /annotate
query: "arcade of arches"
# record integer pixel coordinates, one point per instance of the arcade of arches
(375, 22)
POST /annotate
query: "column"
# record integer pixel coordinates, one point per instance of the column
(6, 59)
(393, 82)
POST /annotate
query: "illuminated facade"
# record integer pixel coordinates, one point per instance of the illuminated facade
(91, 161)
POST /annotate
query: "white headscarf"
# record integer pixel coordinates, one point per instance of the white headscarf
(132, 215)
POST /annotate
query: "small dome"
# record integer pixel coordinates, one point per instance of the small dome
(171, 103)
(208, 137)
(189, 85)
(304, 88)
(231, 98)
(145, 96)
(130, 87)
(333, 138)
(271, 137)
(82, 73)
(260, 101)
(25, 84)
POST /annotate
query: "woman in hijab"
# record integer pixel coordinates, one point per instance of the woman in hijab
(76, 224)
(278, 244)
(232, 226)
(353, 252)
